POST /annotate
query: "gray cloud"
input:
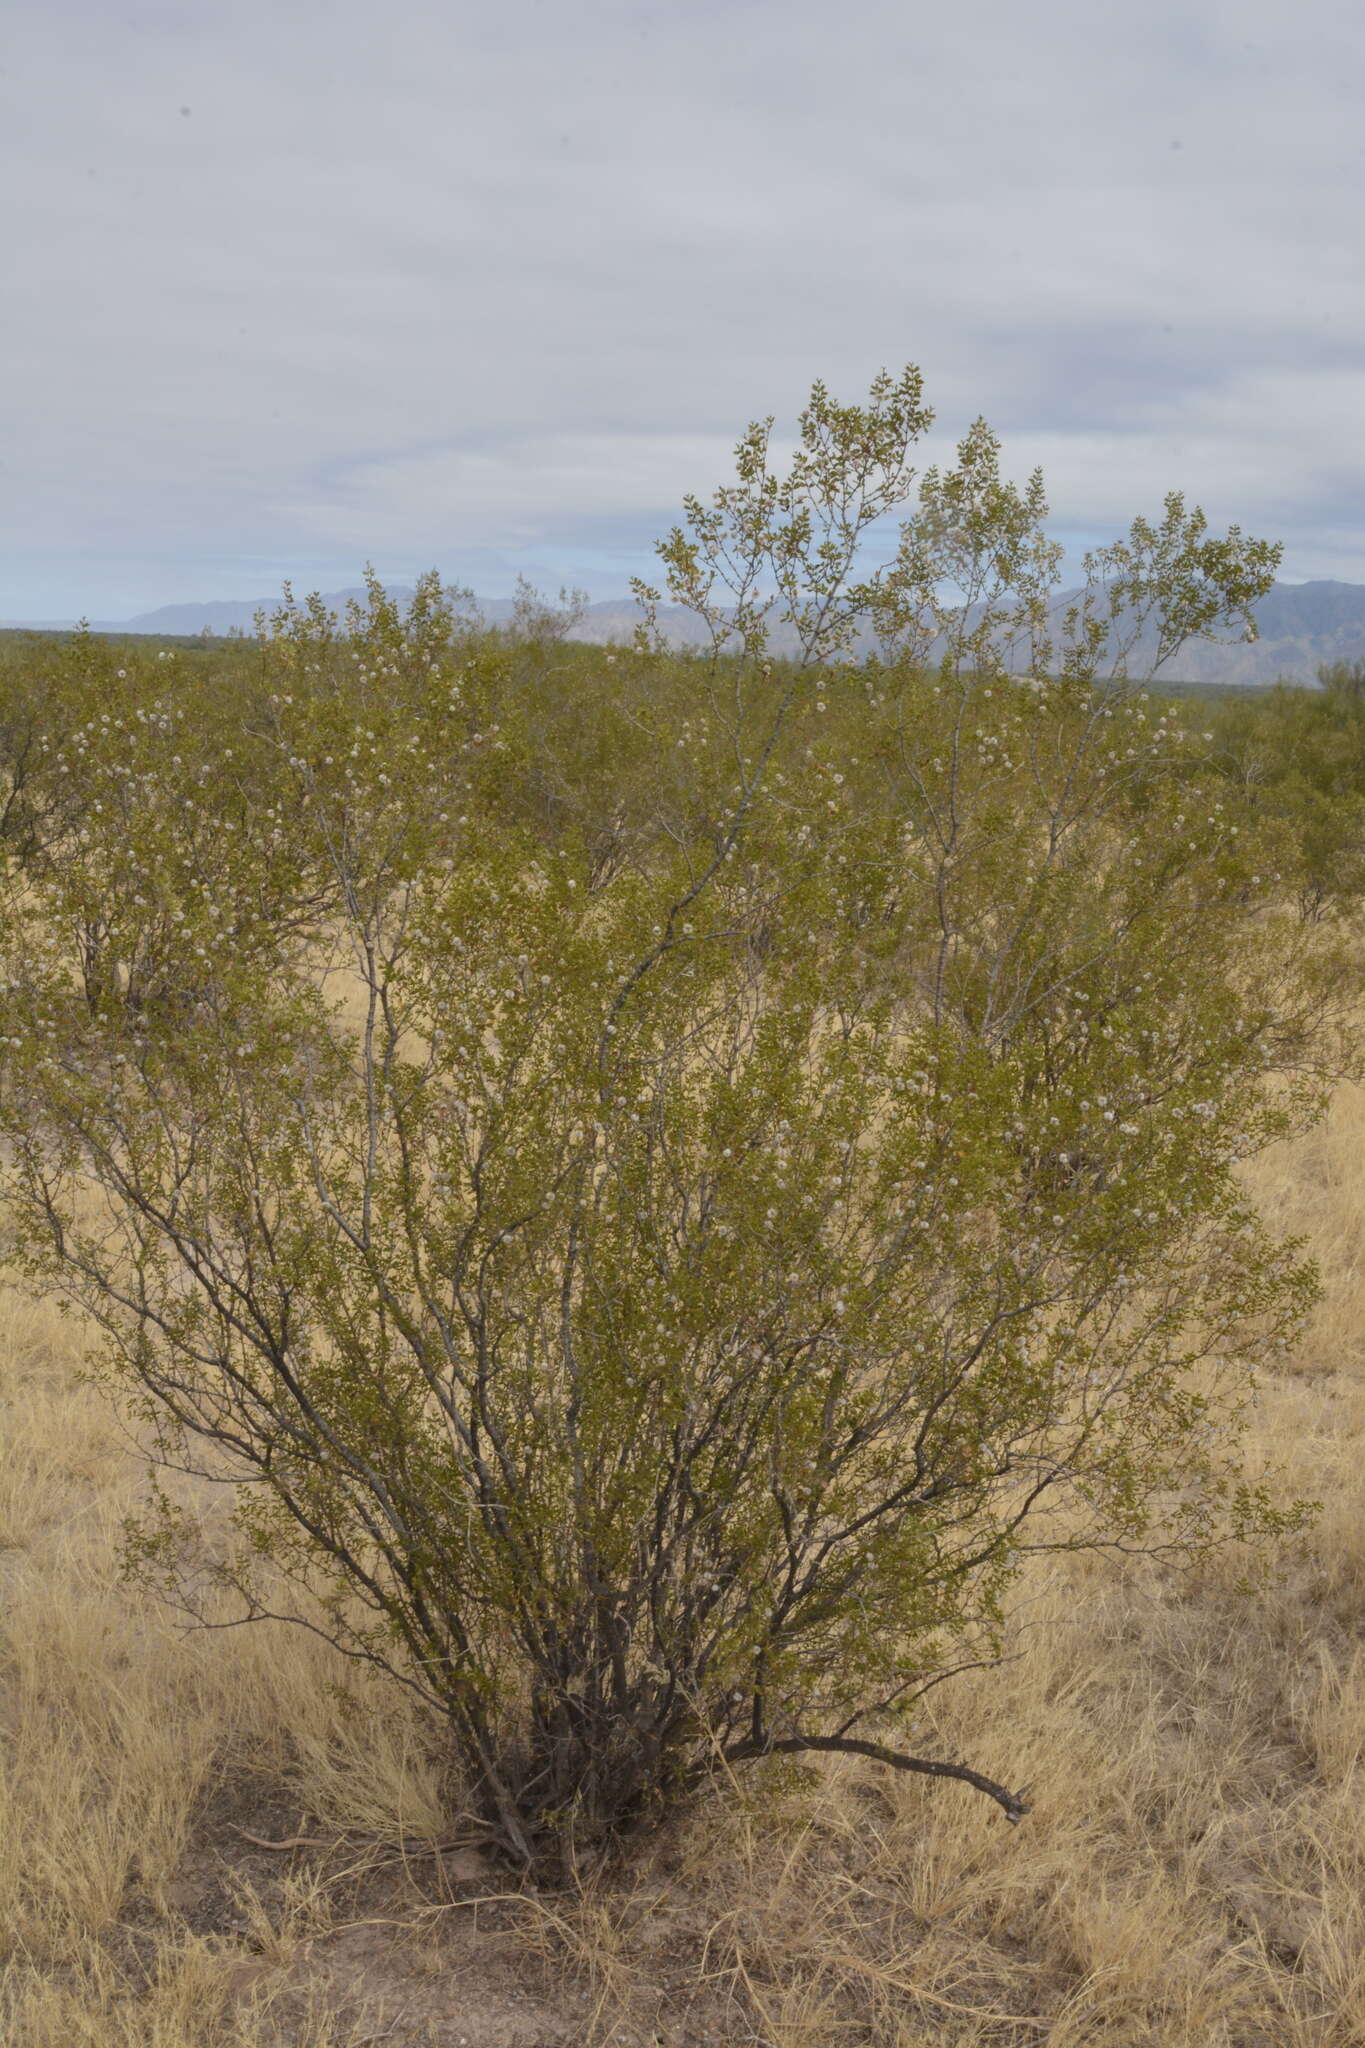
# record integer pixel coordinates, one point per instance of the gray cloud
(491, 289)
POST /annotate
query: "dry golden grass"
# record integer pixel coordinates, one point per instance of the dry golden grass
(1192, 1874)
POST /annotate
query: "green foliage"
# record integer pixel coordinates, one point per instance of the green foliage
(975, 576)
(663, 1178)
(1344, 680)
(1298, 756)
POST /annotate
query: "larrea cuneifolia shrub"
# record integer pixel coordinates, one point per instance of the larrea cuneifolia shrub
(653, 1300)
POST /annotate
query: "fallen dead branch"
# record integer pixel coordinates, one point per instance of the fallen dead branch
(409, 1851)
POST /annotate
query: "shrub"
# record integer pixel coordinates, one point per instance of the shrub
(654, 1308)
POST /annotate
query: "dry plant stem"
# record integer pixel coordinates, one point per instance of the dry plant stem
(371, 2040)
(410, 1852)
(1012, 1804)
(290, 1841)
(427, 1914)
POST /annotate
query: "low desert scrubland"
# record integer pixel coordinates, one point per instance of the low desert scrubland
(681, 1338)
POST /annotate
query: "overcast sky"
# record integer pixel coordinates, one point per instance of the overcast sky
(488, 287)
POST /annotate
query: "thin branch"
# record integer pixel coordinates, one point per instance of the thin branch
(1013, 1804)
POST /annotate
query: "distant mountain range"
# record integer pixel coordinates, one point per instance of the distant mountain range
(1302, 625)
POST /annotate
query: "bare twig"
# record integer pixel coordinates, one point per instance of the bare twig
(410, 1851)
(1013, 1804)
(290, 1841)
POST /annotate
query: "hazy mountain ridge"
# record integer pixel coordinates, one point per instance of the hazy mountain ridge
(1302, 625)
